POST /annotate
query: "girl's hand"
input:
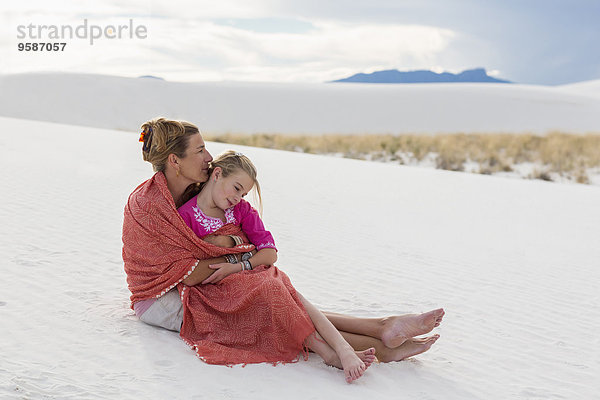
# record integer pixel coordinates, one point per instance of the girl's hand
(220, 240)
(223, 270)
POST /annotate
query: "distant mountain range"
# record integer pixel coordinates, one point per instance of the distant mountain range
(423, 76)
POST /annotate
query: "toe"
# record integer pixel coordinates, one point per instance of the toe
(348, 376)
(359, 371)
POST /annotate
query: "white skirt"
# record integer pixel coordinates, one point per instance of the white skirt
(166, 312)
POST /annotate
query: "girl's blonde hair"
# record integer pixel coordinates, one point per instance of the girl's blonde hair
(230, 162)
(162, 137)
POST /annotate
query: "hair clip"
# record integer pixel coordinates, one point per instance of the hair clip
(237, 153)
(147, 142)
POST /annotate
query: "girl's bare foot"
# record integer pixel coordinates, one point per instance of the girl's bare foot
(354, 363)
(400, 328)
(410, 347)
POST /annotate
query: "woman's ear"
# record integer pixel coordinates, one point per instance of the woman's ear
(173, 160)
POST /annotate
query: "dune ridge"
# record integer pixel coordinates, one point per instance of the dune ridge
(344, 108)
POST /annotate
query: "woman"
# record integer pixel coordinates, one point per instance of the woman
(160, 255)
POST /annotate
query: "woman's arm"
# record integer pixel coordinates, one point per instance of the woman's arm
(206, 268)
(265, 256)
(202, 271)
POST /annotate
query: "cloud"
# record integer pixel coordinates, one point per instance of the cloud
(332, 48)
(312, 40)
(188, 49)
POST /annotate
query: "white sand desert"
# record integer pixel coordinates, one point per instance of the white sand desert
(515, 263)
(309, 108)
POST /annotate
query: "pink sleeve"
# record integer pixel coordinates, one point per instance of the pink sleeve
(253, 226)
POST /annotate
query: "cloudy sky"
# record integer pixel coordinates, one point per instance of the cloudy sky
(527, 41)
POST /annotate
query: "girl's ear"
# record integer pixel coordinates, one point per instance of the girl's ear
(217, 173)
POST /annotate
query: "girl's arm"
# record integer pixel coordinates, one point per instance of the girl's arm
(220, 240)
(266, 256)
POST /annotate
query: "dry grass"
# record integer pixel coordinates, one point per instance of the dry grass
(560, 153)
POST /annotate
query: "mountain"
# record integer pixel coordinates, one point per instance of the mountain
(422, 76)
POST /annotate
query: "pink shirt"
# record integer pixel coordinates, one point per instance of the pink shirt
(242, 215)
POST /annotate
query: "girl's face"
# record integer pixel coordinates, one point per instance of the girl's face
(228, 191)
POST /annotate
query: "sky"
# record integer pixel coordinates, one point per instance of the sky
(545, 42)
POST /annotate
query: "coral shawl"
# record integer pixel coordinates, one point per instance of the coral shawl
(249, 317)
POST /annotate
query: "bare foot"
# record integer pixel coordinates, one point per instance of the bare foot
(411, 347)
(367, 356)
(354, 363)
(398, 329)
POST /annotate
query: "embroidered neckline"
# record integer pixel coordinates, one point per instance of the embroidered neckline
(211, 224)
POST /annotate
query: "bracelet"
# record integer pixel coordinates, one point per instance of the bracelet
(246, 256)
(230, 258)
(246, 266)
(236, 239)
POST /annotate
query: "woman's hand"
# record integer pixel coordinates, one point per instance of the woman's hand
(223, 270)
(220, 240)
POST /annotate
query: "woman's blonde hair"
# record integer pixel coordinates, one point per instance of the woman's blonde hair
(162, 137)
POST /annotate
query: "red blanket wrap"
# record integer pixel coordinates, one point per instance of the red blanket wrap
(248, 317)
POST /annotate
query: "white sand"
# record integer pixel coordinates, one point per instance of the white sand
(515, 264)
(123, 103)
(589, 88)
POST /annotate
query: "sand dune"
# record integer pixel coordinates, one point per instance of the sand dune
(589, 88)
(514, 263)
(220, 107)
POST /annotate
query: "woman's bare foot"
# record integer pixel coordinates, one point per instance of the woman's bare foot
(409, 348)
(354, 363)
(400, 328)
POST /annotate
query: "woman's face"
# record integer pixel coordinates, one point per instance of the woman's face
(228, 191)
(194, 166)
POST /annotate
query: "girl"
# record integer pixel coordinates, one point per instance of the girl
(219, 202)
